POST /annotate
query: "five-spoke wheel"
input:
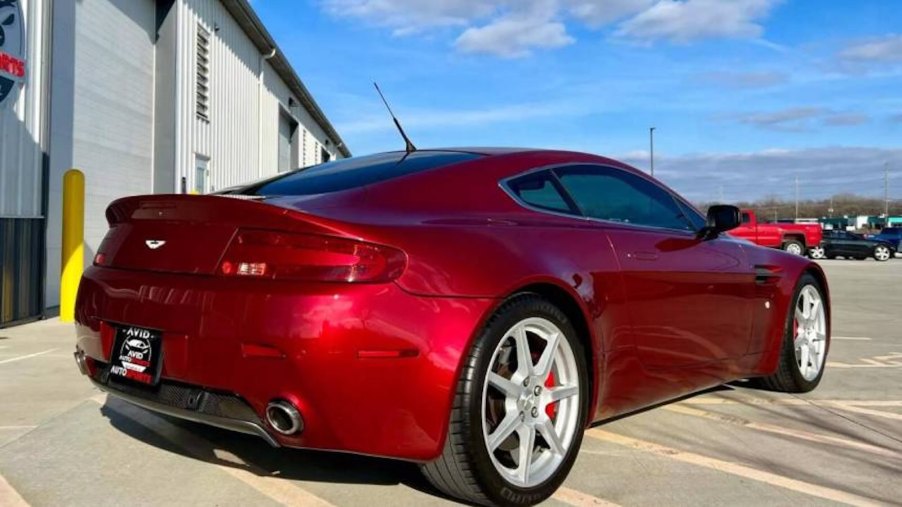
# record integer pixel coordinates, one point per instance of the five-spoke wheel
(882, 253)
(817, 252)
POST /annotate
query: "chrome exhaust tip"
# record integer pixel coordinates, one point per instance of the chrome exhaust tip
(81, 362)
(283, 417)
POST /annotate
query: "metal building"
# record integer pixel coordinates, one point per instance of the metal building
(143, 96)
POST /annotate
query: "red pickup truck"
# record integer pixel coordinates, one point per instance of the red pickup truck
(794, 238)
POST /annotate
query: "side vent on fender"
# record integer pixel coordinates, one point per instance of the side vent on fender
(767, 274)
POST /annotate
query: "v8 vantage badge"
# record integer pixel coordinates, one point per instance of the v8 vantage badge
(136, 354)
(12, 48)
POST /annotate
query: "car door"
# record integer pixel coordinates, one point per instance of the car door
(830, 243)
(841, 243)
(858, 246)
(689, 299)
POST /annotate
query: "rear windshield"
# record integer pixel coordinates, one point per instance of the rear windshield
(353, 172)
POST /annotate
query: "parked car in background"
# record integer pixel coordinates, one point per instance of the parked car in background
(797, 239)
(852, 246)
(891, 235)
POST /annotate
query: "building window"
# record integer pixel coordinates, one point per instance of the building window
(203, 73)
(201, 174)
(325, 155)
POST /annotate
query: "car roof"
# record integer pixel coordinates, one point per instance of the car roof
(477, 150)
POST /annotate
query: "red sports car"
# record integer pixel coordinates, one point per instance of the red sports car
(472, 310)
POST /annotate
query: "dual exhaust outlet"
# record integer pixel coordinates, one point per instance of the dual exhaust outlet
(284, 417)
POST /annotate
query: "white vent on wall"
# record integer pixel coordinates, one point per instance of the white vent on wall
(203, 73)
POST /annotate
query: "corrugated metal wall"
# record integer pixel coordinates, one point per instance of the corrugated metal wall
(112, 117)
(116, 118)
(21, 124)
(231, 138)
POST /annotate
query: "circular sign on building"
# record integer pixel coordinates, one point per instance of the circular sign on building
(12, 49)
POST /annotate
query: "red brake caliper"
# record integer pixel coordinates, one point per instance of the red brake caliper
(551, 408)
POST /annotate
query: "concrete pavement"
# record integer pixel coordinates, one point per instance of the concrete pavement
(63, 442)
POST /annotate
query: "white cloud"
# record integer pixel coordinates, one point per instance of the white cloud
(799, 119)
(689, 20)
(869, 56)
(597, 13)
(514, 28)
(885, 50)
(513, 38)
(746, 79)
(846, 120)
(790, 119)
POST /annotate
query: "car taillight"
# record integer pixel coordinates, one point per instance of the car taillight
(290, 256)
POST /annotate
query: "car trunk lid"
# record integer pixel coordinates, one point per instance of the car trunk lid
(189, 234)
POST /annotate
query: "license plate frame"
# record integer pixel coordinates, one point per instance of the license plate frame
(137, 355)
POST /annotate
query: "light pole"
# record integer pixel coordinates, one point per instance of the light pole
(651, 143)
(886, 192)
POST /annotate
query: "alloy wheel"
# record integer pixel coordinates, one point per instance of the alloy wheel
(794, 248)
(810, 333)
(882, 253)
(818, 252)
(530, 402)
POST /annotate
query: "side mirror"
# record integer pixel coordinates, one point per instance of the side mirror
(721, 218)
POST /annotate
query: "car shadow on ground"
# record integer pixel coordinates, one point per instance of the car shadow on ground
(229, 449)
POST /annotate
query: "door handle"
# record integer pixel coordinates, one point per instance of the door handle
(642, 256)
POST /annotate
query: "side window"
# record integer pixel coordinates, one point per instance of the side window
(746, 218)
(539, 190)
(695, 218)
(618, 196)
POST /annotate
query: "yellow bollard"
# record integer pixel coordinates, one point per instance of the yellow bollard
(72, 261)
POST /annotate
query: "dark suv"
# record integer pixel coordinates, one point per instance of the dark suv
(891, 235)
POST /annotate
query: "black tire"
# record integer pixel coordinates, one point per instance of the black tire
(465, 469)
(791, 245)
(788, 378)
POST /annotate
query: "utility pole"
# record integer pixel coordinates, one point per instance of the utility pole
(651, 143)
(797, 197)
(886, 191)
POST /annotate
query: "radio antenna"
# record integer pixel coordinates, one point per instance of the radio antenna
(409, 148)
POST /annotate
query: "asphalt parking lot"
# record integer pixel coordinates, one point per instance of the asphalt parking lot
(64, 443)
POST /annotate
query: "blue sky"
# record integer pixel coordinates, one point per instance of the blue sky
(746, 95)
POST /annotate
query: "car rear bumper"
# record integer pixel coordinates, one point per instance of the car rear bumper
(192, 404)
(370, 368)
